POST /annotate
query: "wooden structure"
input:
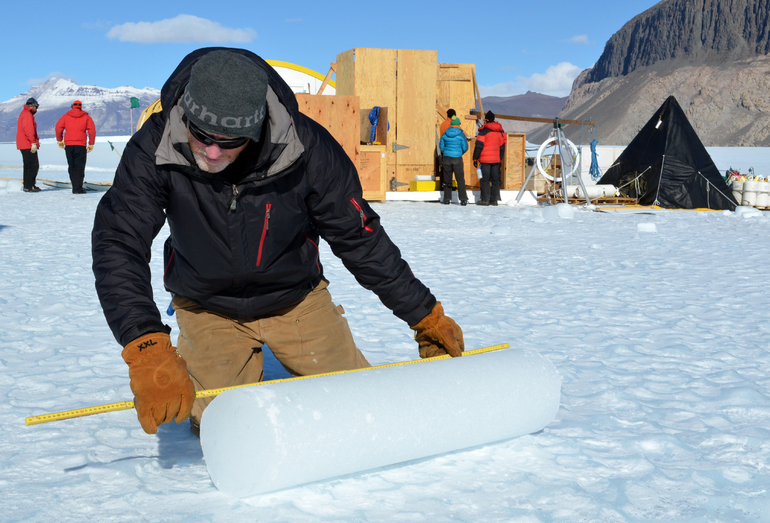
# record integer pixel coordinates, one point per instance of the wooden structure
(372, 171)
(416, 91)
(512, 169)
(339, 115)
(456, 89)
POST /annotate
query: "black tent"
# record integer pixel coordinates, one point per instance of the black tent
(667, 165)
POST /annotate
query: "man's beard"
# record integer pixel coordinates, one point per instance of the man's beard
(204, 166)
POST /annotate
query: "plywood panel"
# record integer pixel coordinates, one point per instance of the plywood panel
(373, 172)
(416, 109)
(454, 90)
(346, 74)
(375, 83)
(339, 115)
(515, 159)
(406, 173)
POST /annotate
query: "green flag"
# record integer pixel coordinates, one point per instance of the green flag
(112, 147)
(134, 103)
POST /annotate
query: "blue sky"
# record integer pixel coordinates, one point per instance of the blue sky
(516, 46)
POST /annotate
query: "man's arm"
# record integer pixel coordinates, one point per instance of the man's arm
(128, 218)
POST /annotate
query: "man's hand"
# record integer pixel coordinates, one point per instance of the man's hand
(60, 144)
(33, 149)
(437, 334)
(476, 164)
(162, 388)
(90, 148)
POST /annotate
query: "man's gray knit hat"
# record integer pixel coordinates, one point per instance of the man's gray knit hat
(226, 95)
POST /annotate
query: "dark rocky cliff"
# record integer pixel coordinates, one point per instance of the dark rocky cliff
(699, 30)
(712, 55)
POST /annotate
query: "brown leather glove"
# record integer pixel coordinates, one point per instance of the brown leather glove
(437, 334)
(162, 388)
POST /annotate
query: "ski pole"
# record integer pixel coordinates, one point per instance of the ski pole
(128, 405)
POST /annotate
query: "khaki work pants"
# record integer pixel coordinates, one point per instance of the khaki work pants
(309, 338)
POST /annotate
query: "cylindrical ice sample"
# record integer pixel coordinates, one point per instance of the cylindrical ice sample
(273, 436)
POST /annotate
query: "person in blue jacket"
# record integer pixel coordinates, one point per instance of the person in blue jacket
(453, 145)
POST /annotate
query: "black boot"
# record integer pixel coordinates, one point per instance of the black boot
(485, 203)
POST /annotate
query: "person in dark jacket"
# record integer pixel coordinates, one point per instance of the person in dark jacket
(447, 123)
(248, 186)
(489, 152)
(74, 130)
(453, 145)
(28, 142)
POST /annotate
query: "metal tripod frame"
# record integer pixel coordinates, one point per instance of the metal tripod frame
(567, 165)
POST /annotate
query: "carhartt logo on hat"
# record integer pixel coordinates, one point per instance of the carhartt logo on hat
(226, 95)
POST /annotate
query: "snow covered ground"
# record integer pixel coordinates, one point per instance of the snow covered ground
(657, 321)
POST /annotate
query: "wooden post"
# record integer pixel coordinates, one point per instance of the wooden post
(332, 69)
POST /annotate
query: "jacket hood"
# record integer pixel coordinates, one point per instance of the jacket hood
(76, 113)
(493, 126)
(453, 131)
(282, 111)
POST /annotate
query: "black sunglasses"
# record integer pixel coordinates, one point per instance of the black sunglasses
(206, 139)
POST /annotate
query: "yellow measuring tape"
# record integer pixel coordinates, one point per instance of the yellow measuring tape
(128, 405)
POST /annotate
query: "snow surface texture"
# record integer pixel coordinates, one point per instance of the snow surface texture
(661, 338)
(270, 437)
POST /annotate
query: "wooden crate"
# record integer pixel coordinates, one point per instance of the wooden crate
(372, 171)
(512, 173)
(370, 74)
(339, 115)
(404, 81)
(415, 112)
(454, 90)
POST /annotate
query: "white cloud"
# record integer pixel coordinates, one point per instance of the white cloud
(579, 39)
(36, 81)
(504, 89)
(181, 29)
(556, 81)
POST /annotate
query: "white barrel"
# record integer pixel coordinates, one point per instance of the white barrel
(279, 435)
(749, 195)
(573, 191)
(594, 191)
(763, 199)
(608, 191)
(763, 194)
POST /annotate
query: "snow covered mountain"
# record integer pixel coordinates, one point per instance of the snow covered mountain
(110, 108)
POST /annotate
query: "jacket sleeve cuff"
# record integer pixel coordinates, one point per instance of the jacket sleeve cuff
(414, 317)
(142, 329)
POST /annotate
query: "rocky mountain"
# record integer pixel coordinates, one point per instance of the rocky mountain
(110, 108)
(528, 104)
(712, 55)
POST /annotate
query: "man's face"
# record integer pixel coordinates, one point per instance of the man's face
(212, 158)
(32, 108)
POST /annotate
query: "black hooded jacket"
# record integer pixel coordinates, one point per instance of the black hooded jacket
(243, 243)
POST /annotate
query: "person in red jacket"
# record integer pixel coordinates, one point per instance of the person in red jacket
(28, 143)
(72, 131)
(489, 152)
